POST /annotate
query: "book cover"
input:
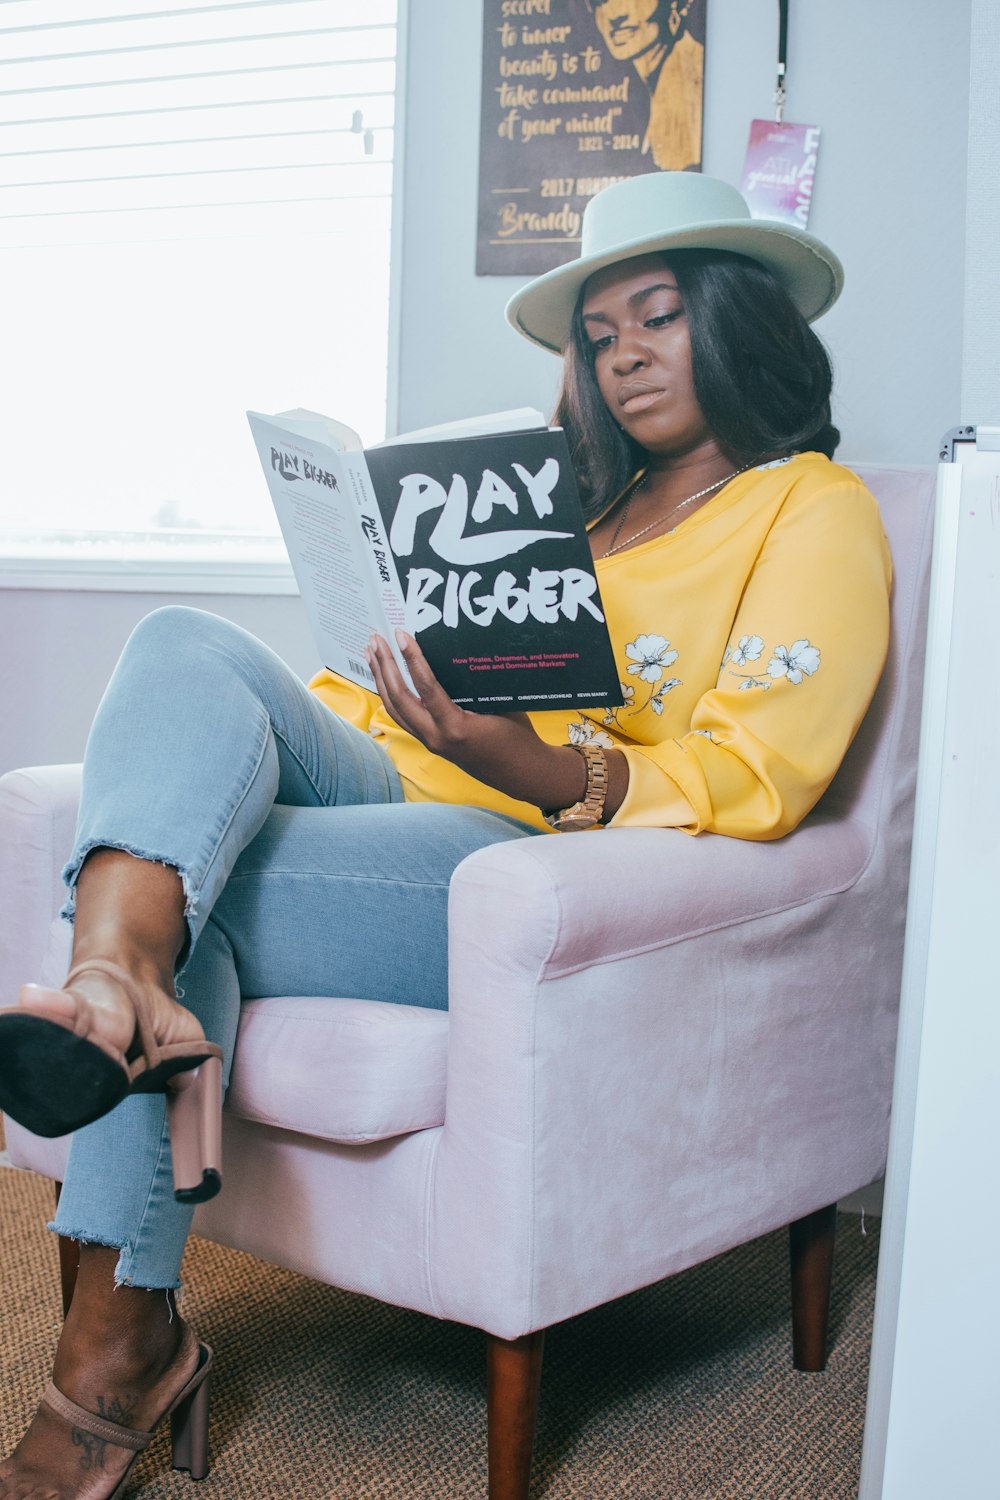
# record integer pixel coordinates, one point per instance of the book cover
(470, 536)
(490, 546)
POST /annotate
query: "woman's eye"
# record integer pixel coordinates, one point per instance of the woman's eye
(596, 345)
(660, 320)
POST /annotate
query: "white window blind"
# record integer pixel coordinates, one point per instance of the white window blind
(195, 205)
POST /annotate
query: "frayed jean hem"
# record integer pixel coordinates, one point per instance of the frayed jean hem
(122, 1278)
(71, 873)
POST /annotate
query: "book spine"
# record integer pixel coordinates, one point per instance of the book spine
(374, 531)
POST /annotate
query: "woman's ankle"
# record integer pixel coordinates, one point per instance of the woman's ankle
(131, 911)
(115, 1331)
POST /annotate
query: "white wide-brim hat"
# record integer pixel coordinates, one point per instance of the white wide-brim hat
(662, 211)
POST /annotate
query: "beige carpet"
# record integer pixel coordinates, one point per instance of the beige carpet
(683, 1391)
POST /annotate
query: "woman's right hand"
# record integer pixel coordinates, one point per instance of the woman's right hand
(502, 750)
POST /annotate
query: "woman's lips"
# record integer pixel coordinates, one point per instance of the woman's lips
(639, 401)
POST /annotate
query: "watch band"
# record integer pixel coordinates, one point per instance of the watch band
(588, 812)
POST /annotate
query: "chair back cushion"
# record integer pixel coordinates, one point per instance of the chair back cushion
(876, 782)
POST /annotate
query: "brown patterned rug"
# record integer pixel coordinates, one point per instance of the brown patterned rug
(683, 1391)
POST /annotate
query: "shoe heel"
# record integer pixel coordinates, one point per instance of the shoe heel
(189, 1432)
(194, 1118)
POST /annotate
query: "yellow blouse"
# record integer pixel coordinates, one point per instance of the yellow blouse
(749, 639)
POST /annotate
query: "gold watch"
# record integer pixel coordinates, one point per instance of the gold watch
(590, 810)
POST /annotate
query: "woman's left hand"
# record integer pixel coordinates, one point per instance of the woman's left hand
(502, 750)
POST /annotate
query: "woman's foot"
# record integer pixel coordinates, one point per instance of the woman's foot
(97, 1005)
(124, 1355)
(130, 913)
(69, 1056)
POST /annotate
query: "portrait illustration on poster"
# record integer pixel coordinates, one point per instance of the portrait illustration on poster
(659, 39)
(576, 95)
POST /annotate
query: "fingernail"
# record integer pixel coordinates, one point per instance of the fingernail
(403, 640)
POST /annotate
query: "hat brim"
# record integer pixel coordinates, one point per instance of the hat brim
(809, 271)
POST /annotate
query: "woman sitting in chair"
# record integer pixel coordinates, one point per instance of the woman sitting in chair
(258, 838)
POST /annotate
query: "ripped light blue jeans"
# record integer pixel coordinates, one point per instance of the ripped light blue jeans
(297, 853)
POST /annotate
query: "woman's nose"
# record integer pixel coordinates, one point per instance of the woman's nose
(631, 353)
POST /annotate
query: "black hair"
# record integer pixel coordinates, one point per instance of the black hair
(761, 376)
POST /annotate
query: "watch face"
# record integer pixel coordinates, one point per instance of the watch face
(574, 822)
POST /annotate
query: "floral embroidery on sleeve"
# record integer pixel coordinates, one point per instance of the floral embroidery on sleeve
(628, 693)
(749, 649)
(792, 663)
(586, 732)
(648, 655)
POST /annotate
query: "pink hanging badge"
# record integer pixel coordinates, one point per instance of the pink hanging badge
(779, 170)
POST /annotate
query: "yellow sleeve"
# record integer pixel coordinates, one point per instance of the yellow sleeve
(353, 703)
(804, 657)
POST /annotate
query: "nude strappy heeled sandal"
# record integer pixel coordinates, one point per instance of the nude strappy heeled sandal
(55, 1079)
(188, 1413)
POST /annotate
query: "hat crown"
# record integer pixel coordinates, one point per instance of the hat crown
(656, 203)
(657, 213)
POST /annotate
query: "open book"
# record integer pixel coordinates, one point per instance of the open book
(469, 536)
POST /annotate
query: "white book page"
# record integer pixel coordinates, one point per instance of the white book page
(320, 429)
(519, 419)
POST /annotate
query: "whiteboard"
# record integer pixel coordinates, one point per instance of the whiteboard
(934, 1388)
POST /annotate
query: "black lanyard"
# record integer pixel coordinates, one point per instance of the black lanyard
(779, 92)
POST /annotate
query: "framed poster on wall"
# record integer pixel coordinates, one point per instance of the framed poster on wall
(577, 94)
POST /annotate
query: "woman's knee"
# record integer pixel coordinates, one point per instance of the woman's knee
(176, 627)
(199, 649)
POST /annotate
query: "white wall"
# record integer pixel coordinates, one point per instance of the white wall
(888, 84)
(59, 648)
(981, 354)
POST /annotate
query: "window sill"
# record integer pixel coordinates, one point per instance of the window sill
(171, 563)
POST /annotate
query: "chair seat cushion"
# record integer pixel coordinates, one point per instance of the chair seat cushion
(343, 1070)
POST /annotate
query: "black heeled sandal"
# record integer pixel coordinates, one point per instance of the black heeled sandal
(54, 1080)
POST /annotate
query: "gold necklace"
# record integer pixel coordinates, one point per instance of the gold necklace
(617, 546)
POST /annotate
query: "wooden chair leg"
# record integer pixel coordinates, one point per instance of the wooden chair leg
(810, 1243)
(69, 1263)
(513, 1374)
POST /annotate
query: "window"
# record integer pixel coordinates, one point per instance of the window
(195, 206)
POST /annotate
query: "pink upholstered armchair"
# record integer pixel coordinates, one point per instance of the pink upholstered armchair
(658, 1048)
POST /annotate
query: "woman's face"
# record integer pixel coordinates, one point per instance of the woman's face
(635, 323)
(628, 26)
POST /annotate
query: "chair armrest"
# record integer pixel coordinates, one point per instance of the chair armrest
(38, 807)
(622, 891)
(654, 1041)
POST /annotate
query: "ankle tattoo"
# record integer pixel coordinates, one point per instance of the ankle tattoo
(94, 1448)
